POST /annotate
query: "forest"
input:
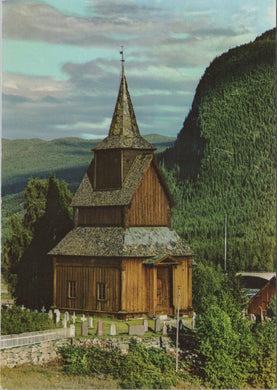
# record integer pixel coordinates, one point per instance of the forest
(223, 162)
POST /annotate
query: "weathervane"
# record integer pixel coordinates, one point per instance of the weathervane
(122, 57)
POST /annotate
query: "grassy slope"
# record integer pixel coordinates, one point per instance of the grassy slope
(226, 155)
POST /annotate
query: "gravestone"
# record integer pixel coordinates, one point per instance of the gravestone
(136, 330)
(72, 330)
(112, 330)
(84, 328)
(145, 324)
(163, 317)
(50, 314)
(164, 329)
(43, 310)
(57, 316)
(28, 310)
(74, 317)
(90, 323)
(99, 328)
(158, 325)
(193, 320)
(36, 311)
(83, 318)
(23, 307)
(64, 323)
(66, 316)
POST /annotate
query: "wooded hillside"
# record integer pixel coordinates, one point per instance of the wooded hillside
(224, 159)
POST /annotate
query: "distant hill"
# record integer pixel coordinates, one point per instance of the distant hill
(68, 158)
(225, 154)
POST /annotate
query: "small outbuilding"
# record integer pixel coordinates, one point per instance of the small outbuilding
(259, 303)
(123, 258)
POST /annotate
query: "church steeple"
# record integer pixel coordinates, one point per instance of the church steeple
(124, 132)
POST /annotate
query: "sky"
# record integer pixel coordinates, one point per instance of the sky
(61, 60)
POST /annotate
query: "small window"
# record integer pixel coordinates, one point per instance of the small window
(72, 287)
(101, 291)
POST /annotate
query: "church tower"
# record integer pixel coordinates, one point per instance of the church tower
(122, 257)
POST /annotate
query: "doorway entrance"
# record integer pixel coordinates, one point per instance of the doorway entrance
(164, 289)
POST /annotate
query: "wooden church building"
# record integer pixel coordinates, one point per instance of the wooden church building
(122, 258)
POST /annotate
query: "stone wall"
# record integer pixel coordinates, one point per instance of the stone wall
(40, 354)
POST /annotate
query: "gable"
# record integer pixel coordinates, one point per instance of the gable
(151, 202)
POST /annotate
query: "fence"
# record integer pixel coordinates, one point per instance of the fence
(18, 340)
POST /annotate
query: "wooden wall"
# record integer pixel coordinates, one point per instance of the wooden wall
(149, 206)
(131, 286)
(100, 216)
(87, 274)
(262, 298)
(107, 169)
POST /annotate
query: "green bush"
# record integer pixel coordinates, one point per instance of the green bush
(15, 321)
(142, 368)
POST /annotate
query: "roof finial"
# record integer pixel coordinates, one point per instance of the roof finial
(122, 58)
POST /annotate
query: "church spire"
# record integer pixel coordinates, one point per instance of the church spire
(124, 131)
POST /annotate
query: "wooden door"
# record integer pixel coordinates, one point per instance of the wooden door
(164, 288)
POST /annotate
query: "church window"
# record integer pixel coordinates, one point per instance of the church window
(72, 289)
(101, 291)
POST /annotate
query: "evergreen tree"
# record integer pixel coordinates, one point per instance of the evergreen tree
(47, 220)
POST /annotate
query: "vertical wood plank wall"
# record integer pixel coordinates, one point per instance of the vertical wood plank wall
(86, 277)
(100, 216)
(149, 206)
(130, 285)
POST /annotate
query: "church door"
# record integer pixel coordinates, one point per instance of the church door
(164, 289)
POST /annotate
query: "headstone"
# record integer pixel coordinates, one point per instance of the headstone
(193, 320)
(83, 318)
(56, 310)
(164, 329)
(112, 330)
(66, 316)
(99, 328)
(145, 324)
(136, 330)
(252, 317)
(72, 330)
(90, 322)
(57, 316)
(43, 310)
(163, 317)
(74, 317)
(158, 325)
(36, 311)
(28, 310)
(64, 323)
(23, 307)
(170, 328)
(84, 328)
(50, 314)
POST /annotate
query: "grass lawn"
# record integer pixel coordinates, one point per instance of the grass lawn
(51, 377)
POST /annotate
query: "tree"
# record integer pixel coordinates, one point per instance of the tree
(206, 284)
(47, 220)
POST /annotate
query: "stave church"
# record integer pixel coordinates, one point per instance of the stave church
(122, 258)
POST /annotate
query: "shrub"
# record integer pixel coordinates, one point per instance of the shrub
(16, 320)
(142, 368)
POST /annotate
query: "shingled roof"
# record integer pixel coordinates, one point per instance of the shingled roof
(86, 196)
(121, 242)
(124, 131)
